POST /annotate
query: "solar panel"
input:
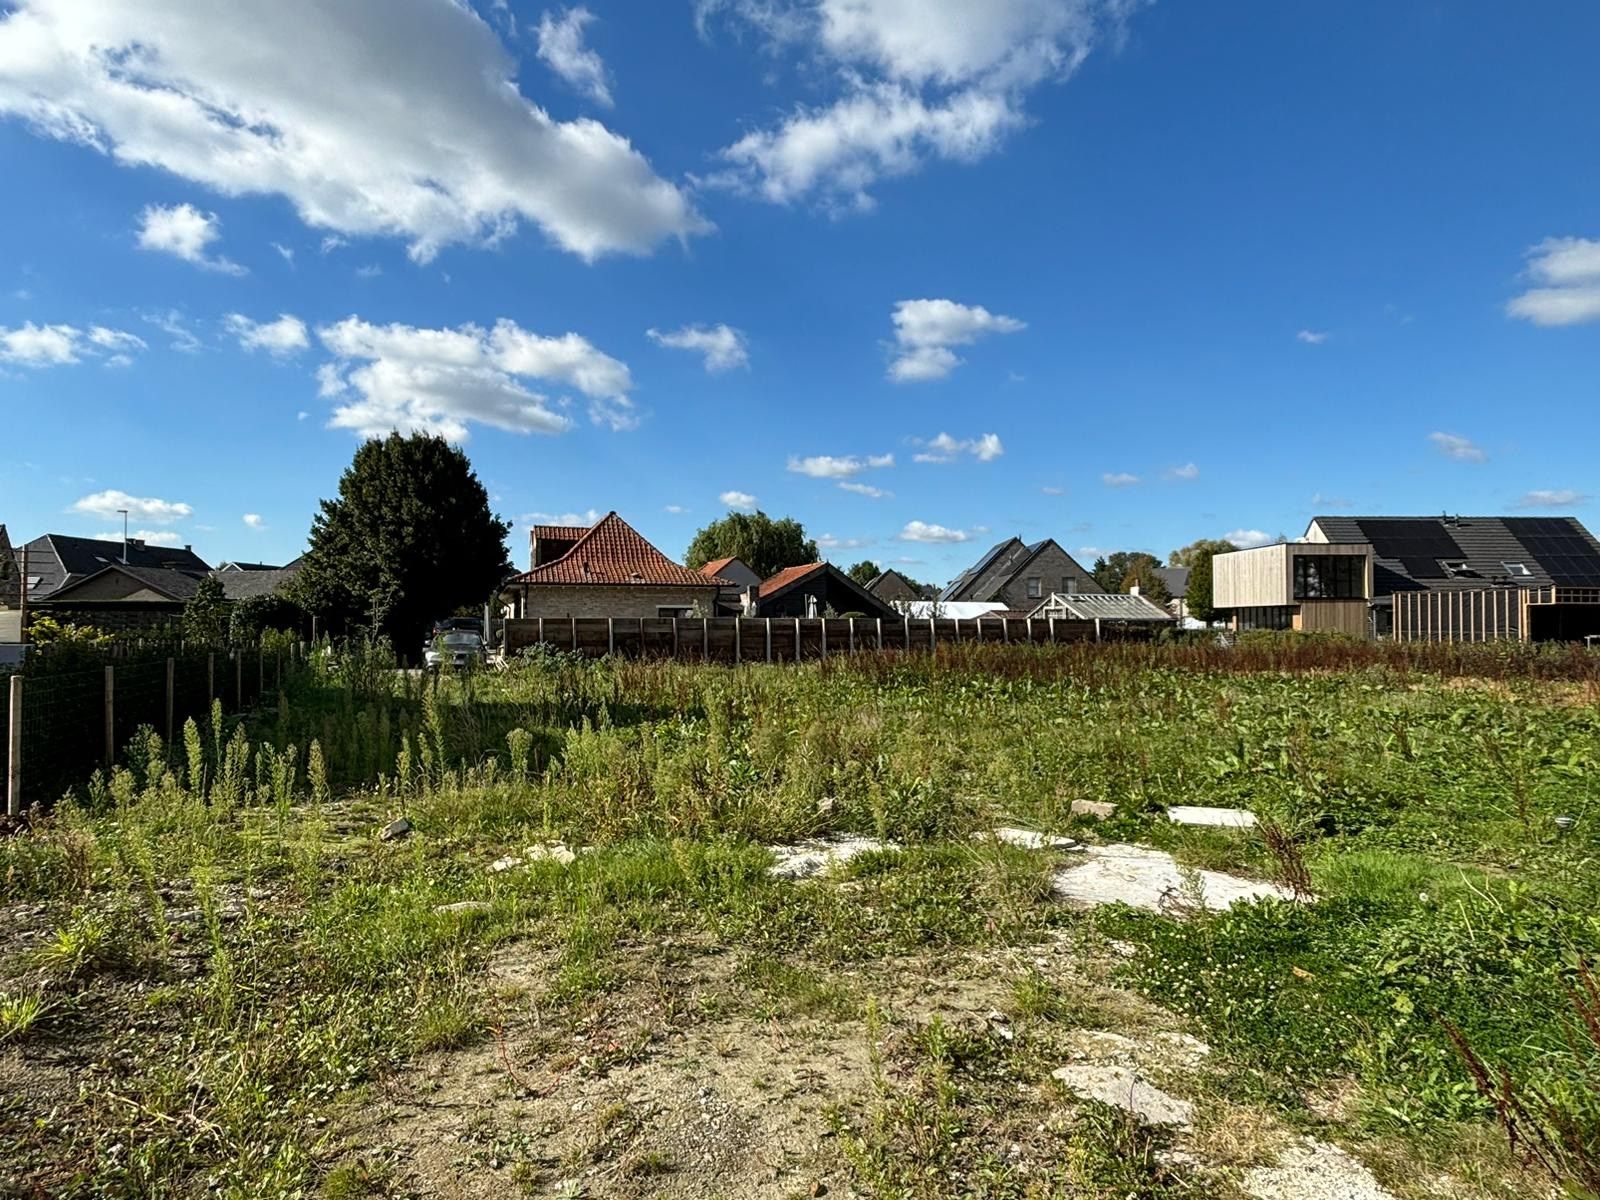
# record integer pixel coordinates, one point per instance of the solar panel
(1417, 544)
(1557, 545)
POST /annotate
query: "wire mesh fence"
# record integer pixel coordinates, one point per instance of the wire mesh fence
(76, 717)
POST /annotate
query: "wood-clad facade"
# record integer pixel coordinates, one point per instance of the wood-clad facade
(1313, 587)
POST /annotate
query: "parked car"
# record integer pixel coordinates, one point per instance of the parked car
(459, 648)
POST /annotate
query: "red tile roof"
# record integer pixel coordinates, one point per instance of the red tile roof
(614, 553)
(558, 533)
(717, 566)
(789, 575)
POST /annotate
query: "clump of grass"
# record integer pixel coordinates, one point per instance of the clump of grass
(19, 1014)
(84, 945)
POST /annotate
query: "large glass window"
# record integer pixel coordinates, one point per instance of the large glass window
(1330, 577)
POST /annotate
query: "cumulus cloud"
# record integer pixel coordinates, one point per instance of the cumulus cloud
(675, 509)
(151, 537)
(740, 500)
(443, 380)
(562, 48)
(112, 502)
(181, 230)
(723, 346)
(924, 331)
(828, 466)
(1567, 272)
(1453, 445)
(1553, 498)
(1311, 337)
(40, 346)
(1118, 479)
(943, 448)
(939, 80)
(1183, 474)
(1053, 491)
(280, 338)
(398, 118)
(923, 531)
(253, 521)
(1249, 539)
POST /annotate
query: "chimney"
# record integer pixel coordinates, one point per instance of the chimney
(1134, 591)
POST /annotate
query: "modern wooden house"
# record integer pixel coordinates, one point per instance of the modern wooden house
(1455, 578)
(1314, 587)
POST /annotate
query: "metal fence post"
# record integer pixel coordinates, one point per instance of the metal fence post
(611, 636)
(14, 762)
(797, 639)
(171, 680)
(111, 710)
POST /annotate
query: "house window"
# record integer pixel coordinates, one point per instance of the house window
(1035, 588)
(1520, 570)
(1330, 577)
(674, 610)
(1069, 585)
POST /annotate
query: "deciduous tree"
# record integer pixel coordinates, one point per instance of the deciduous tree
(765, 545)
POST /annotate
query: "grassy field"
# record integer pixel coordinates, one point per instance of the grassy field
(217, 976)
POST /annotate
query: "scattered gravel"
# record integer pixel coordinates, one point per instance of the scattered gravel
(1313, 1170)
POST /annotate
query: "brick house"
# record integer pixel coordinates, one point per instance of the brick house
(609, 570)
(1021, 576)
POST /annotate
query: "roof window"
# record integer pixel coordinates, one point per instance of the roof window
(1520, 570)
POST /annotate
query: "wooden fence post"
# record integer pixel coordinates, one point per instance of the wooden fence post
(797, 639)
(171, 680)
(14, 762)
(111, 711)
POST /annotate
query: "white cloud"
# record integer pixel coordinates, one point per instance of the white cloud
(442, 380)
(571, 519)
(1553, 498)
(1453, 445)
(1118, 479)
(1249, 539)
(943, 448)
(173, 324)
(922, 531)
(924, 331)
(865, 489)
(828, 466)
(397, 118)
(1053, 491)
(331, 242)
(40, 346)
(675, 509)
(562, 49)
(723, 346)
(112, 502)
(181, 230)
(284, 252)
(1569, 270)
(937, 79)
(280, 338)
(151, 537)
(742, 500)
(253, 521)
(1311, 337)
(1185, 473)
(829, 542)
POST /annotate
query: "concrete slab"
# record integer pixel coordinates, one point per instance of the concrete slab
(1150, 879)
(1127, 1090)
(1313, 1170)
(1216, 818)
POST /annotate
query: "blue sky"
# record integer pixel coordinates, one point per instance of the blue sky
(1121, 273)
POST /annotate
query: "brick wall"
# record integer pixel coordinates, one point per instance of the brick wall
(591, 600)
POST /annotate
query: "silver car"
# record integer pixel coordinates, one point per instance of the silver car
(460, 648)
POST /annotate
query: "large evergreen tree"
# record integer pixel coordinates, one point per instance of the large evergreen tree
(765, 545)
(409, 539)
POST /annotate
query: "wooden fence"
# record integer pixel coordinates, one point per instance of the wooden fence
(784, 639)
